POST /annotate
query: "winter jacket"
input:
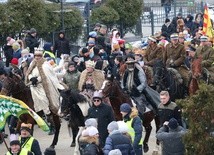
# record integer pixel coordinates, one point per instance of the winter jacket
(168, 29)
(61, 46)
(31, 42)
(35, 148)
(71, 79)
(17, 54)
(117, 140)
(89, 146)
(172, 140)
(104, 115)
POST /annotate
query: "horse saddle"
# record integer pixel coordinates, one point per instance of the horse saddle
(176, 74)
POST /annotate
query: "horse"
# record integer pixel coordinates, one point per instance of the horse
(113, 91)
(75, 108)
(15, 87)
(168, 79)
(198, 73)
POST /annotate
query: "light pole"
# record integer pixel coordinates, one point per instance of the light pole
(62, 16)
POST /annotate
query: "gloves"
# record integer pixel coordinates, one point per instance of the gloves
(172, 65)
(135, 92)
(34, 81)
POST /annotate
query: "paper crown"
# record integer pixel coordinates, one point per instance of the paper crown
(38, 51)
(90, 63)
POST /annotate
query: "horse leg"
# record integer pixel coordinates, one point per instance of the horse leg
(57, 125)
(157, 124)
(75, 131)
(148, 117)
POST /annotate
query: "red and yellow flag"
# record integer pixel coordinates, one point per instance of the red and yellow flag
(207, 25)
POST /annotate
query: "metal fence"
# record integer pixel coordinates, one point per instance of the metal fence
(154, 14)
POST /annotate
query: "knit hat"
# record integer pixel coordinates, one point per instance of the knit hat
(173, 123)
(115, 152)
(97, 94)
(167, 20)
(47, 46)
(91, 122)
(25, 51)
(92, 131)
(125, 107)
(121, 41)
(14, 61)
(49, 151)
(32, 30)
(113, 126)
(14, 140)
(26, 127)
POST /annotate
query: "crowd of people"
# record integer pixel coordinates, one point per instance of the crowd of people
(51, 69)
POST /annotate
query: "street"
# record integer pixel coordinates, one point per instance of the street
(63, 147)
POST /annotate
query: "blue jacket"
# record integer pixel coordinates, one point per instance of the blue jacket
(117, 140)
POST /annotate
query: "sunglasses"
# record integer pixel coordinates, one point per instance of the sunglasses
(96, 100)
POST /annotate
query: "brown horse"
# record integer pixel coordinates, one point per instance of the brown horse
(198, 73)
(15, 87)
(113, 91)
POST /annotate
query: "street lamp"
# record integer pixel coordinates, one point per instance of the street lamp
(62, 16)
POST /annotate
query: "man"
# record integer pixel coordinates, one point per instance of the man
(168, 109)
(207, 54)
(174, 57)
(172, 139)
(103, 113)
(15, 147)
(61, 46)
(27, 141)
(117, 140)
(44, 84)
(31, 40)
(91, 79)
(133, 121)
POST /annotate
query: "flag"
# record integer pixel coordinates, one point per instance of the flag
(207, 25)
(11, 106)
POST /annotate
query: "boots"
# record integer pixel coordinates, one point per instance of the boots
(51, 124)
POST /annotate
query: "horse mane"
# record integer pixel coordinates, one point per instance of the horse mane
(73, 95)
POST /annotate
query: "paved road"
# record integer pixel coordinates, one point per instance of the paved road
(63, 147)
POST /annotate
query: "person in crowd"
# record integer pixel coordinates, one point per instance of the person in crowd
(168, 28)
(190, 55)
(174, 57)
(96, 57)
(89, 143)
(44, 85)
(8, 50)
(207, 54)
(31, 40)
(171, 139)
(71, 77)
(198, 23)
(48, 51)
(115, 71)
(116, 140)
(27, 141)
(16, 50)
(175, 19)
(189, 23)
(103, 113)
(181, 38)
(61, 46)
(91, 79)
(167, 7)
(15, 147)
(101, 37)
(134, 123)
(168, 109)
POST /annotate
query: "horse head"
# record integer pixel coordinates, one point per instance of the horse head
(197, 68)
(158, 72)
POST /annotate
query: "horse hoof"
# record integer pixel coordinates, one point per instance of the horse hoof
(72, 145)
(145, 148)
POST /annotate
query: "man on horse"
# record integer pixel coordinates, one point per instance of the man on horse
(174, 57)
(207, 54)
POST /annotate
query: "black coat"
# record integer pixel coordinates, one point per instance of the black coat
(104, 115)
(61, 46)
(31, 42)
(168, 30)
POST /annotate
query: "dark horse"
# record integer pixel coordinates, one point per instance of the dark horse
(15, 87)
(75, 107)
(113, 91)
(168, 79)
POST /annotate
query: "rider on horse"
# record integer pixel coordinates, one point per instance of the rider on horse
(207, 54)
(174, 57)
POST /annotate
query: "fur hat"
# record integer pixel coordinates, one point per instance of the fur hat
(125, 107)
(90, 63)
(112, 126)
(173, 123)
(26, 127)
(115, 152)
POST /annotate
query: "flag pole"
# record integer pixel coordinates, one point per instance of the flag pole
(5, 143)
